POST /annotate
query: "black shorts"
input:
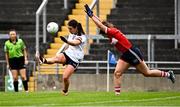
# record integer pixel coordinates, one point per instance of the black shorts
(70, 61)
(17, 63)
(133, 56)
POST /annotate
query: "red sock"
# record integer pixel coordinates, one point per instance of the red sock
(117, 89)
(164, 74)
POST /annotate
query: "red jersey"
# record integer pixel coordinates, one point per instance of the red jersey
(117, 38)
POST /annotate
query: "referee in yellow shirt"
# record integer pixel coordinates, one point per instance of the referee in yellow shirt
(16, 58)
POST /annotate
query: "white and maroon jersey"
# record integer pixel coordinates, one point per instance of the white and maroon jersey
(118, 39)
(76, 53)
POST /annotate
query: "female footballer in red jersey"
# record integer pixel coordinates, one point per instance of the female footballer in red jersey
(131, 55)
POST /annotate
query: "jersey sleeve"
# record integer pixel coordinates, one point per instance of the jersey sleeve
(69, 37)
(82, 38)
(22, 44)
(5, 47)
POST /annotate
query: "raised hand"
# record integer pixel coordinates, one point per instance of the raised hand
(88, 10)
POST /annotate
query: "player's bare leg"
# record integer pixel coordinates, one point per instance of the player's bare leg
(121, 67)
(143, 68)
(60, 58)
(68, 71)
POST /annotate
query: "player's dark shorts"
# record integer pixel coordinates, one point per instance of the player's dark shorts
(133, 56)
(17, 63)
(70, 61)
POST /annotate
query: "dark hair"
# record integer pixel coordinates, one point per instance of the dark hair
(75, 24)
(12, 30)
(107, 24)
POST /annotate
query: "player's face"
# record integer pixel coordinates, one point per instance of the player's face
(72, 30)
(12, 35)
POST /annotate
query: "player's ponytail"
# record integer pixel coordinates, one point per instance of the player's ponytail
(80, 29)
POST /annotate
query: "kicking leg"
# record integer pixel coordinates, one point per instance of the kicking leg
(60, 58)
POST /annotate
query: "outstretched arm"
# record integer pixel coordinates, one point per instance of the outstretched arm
(73, 42)
(95, 19)
(99, 24)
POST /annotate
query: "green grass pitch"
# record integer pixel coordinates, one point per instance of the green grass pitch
(54, 98)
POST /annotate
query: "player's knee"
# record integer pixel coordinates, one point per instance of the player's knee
(23, 78)
(117, 74)
(65, 78)
(15, 79)
(147, 74)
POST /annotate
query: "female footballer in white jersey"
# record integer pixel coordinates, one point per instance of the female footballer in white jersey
(72, 55)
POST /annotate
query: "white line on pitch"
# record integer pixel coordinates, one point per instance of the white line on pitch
(118, 101)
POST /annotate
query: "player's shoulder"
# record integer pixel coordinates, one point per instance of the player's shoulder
(83, 36)
(7, 41)
(110, 29)
(113, 29)
(20, 40)
(70, 35)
